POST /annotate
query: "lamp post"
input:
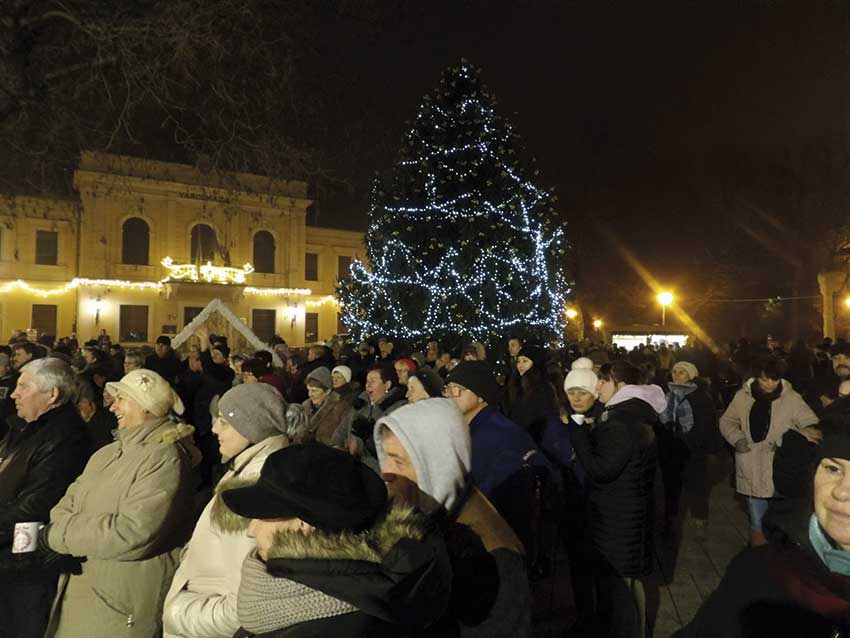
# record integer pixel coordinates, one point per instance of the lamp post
(597, 323)
(665, 299)
(571, 313)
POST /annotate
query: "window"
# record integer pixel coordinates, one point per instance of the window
(311, 267)
(264, 252)
(344, 266)
(204, 244)
(311, 327)
(46, 247)
(44, 319)
(341, 328)
(189, 313)
(263, 323)
(133, 323)
(135, 242)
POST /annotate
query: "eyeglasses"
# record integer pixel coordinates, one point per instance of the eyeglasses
(453, 390)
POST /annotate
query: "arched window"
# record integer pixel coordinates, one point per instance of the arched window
(135, 242)
(264, 251)
(204, 244)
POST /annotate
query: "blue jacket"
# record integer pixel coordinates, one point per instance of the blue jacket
(499, 449)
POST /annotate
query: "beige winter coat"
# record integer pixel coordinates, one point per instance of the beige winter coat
(202, 600)
(754, 469)
(128, 513)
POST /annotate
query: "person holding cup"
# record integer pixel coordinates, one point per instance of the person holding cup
(128, 514)
(45, 449)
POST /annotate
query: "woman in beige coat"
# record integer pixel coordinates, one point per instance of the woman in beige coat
(764, 409)
(202, 600)
(128, 513)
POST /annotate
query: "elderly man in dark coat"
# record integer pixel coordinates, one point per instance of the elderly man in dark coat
(46, 448)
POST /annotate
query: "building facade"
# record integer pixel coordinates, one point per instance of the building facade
(146, 245)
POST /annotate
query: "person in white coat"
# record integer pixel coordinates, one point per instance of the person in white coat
(201, 602)
(763, 410)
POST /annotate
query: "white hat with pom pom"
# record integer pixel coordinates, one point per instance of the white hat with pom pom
(582, 377)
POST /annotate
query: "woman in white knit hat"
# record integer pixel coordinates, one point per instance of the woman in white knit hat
(685, 438)
(128, 514)
(343, 385)
(582, 407)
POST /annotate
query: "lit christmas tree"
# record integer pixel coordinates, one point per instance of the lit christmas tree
(461, 242)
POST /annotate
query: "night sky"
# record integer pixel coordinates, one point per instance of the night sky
(641, 118)
(699, 146)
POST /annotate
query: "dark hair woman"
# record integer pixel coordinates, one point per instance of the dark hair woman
(761, 412)
(531, 399)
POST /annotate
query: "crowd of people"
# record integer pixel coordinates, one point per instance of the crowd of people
(385, 489)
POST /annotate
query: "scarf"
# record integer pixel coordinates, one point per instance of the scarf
(266, 603)
(836, 560)
(678, 410)
(760, 412)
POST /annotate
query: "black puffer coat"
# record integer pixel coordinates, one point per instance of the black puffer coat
(619, 456)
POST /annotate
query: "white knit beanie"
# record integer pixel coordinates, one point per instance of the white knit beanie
(345, 371)
(689, 368)
(581, 376)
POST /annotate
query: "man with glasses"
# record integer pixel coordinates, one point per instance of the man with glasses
(504, 456)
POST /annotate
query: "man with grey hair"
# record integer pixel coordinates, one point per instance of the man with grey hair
(43, 452)
(133, 360)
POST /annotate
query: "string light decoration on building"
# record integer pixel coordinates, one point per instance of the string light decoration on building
(207, 272)
(277, 292)
(18, 284)
(460, 240)
(327, 300)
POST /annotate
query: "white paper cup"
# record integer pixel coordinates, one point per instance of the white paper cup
(25, 538)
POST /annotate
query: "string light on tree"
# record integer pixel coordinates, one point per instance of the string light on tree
(460, 240)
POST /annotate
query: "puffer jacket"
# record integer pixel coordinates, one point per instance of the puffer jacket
(128, 513)
(202, 598)
(330, 423)
(619, 457)
(386, 581)
(754, 469)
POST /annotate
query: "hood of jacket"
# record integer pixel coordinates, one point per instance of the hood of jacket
(786, 387)
(162, 431)
(437, 440)
(398, 570)
(221, 516)
(652, 395)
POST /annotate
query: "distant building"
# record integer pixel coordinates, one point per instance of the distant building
(834, 291)
(95, 262)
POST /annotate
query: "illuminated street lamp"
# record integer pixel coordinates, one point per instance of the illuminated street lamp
(665, 299)
(571, 313)
(597, 323)
(847, 302)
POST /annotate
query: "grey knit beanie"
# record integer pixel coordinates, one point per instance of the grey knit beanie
(255, 410)
(322, 376)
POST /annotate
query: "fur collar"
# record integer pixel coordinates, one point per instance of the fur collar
(370, 545)
(222, 517)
